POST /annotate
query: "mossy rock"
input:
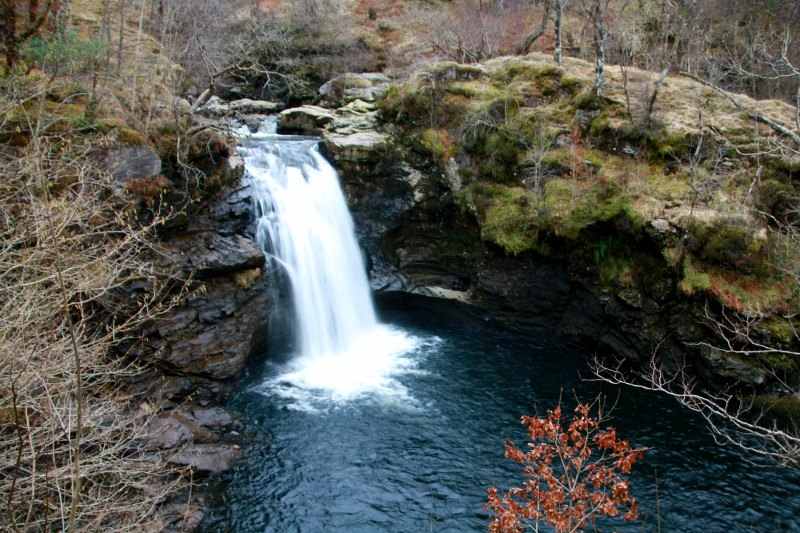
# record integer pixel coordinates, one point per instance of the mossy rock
(68, 92)
(572, 208)
(130, 136)
(728, 243)
(422, 105)
(437, 143)
(521, 70)
(785, 363)
(507, 215)
(515, 218)
(783, 409)
(479, 90)
(694, 281)
(781, 330)
(452, 71)
(751, 294)
(614, 261)
(776, 198)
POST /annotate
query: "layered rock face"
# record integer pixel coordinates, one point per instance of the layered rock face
(199, 348)
(507, 186)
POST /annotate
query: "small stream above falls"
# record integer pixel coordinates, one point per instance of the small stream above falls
(392, 419)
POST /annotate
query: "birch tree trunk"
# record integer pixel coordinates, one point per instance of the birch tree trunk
(557, 52)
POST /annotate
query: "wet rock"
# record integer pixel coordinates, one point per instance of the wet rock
(207, 458)
(733, 367)
(213, 333)
(661, 228)
(188, 424)
(307, 119)
(231, 214)
(212, 417)
(215, 107)
(233, 169)
(355, 117)
(182, 106)
(246, 106)
(210, 254)
(168, 432)
(181, 517)
(452, 175)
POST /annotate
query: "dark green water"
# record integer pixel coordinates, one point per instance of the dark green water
(418, 454)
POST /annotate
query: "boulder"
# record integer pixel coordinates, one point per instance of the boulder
(246, 106)
(168, 432)
(182, 106)
(126, 163)
(207, 458)
(210, 417)
(348, 87)
(357, 147)
(180, 517)
(187, 424)
(215, 107)
(307, 119)
(355, 117)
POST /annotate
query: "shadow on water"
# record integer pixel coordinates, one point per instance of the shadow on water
(422, 461)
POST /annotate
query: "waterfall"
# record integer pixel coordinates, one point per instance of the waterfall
(306, 230)
(304, 224)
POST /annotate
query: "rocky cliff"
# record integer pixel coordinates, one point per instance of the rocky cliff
(198, 349)
(511, 186)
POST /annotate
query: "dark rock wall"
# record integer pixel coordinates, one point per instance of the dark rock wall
(418, 239)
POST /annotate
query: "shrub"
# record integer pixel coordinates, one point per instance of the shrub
(574, 473)
(63, 52)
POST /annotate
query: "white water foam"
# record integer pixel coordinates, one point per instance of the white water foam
(305, 228)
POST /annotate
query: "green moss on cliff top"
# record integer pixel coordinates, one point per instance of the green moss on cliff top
(515, 218)
(544, 159)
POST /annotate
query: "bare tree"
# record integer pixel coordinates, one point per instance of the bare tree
(70, 444)
(531, 39)
(599, 17)
(466, 32)
(20, 25)
(539, 144)
(733, 419)
(775, 65)
(558, 28)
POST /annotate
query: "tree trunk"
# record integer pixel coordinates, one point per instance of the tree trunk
(9, 28)
(797, 109)
(600, 38)
(533, 37)
(33, 10)
(62, 16)
(12, 36)
(559, 16)
(121, 36)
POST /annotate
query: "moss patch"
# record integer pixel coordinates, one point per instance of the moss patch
(694, 281)
(728, 243)
(437, 143)
(507, 215)
(571, 208)
(785, 409)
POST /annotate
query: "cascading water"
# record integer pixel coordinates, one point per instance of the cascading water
(306, 230)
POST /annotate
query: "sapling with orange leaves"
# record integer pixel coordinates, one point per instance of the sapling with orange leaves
(575, 472)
